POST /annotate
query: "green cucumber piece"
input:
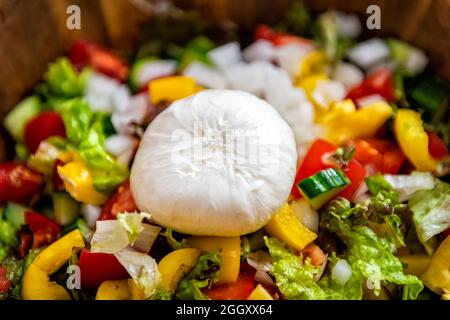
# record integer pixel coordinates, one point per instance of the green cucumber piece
(81, 225)
(8, 233)
(18, 117)
(323, 186)
(65, 208)
(15, 213)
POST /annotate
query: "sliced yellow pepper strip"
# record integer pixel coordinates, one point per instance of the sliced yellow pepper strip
(78, 182)
(415, 264)
(113, 290)
(313, 63)
(36, 282)
(259, 293)
(287, 227)
(231, 254)
(344, 122)
(174, 266)
(413, 139)
(171, 88)
(310, 82)
(136, 292)
(437, 276)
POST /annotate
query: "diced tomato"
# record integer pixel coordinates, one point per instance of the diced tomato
(356, 173)
(84, 53)
(121, 200)
(238, 290)
(313, 162)
(41, 127)
(380, 82)
(45, 231)
(96, 268)
(58, 183)
(317, 256)
(265, 32)
(384, 155)
(4, 282)
(436, 146)
(26, 241)
(18, 183)
(446, 233)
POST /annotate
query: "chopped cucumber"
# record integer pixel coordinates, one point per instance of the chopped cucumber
(15, 213)
(81, 225)
(323, 186)
(66, 209)
(18, 117)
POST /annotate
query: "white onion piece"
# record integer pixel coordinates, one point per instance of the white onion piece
(260, 260)
(348, 25)
(289, 57)
(118, 144)
(417, 61)
(259, 50)
(205, 75)
(264, 278)
(90, 214)
(341, 272)
(360, 194)
(369, 100)
(121, 98)
(226, 56)
(327, 92)
(146, 238)
(369, 52)
(407, 185)
(135, 113)
(155, 69)
(307, 215)
(249, 77)
(348, 74)
(99, 91)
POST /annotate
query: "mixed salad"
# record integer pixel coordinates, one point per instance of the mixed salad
(367, 215)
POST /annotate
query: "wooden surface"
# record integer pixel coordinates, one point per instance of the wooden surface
(33, 32)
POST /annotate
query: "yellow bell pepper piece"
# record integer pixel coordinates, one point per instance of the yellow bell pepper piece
(287, 227)
(174, 266)
(415, 264)
(136, 292)
(259, 293)
(310, 82)
(313, 63)
(36, 282)
(113, 290)
(437, 276)
(231, 254)
(171, 88)
(344, 122)
(78, 182)
(413, 139)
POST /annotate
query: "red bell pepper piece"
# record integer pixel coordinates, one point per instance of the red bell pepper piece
(58, 183)
(239, 290)
(4, 282)
(45, 231)
(26, 241)
(356, 172)
(41, 127)
(265, 32)
(96, 268)
(121, 201)
(85, 53)
(436, 146)
(380, 82)
(446, 233)
(18, 183)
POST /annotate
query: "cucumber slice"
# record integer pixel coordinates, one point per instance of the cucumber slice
(323, 186)
(81, 225)
(18, 117)
(65, 208)
(15, 213)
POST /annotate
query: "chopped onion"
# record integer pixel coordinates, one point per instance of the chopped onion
(260, 260)
(360, 194)
(327, 92)
(90, 214)
(118, 144)
(206, 76)
(226, 56)
(341, 272)
(348, 74)
(156, 69)
(289, 57)
(348, 25)
(264, 278)
(259, 50)
(99, 91)
(369, 100)
(121, 98)
(369, 52)
(407, 185)
(307, 215)
(146, 238)
(124, 121)
(249, 77)
(417, 61)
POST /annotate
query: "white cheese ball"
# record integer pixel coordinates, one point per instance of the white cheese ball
(218, 163)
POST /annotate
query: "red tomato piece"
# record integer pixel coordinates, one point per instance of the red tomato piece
(121, 200)
(18, 183)
(239, 290)
(96, 268)
(45, 231)
(4, 282)
(380, 82)
(281, 39)
(356, 173)
(26, 241)
(58, 183)
(317, 256)
(41, 127)
(436, 146)
(265, 32)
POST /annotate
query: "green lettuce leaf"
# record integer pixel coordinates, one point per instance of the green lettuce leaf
(431, 213)
(132, 223)
(77, 117)
(173, 243)
(204, 274)
(107, 173)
